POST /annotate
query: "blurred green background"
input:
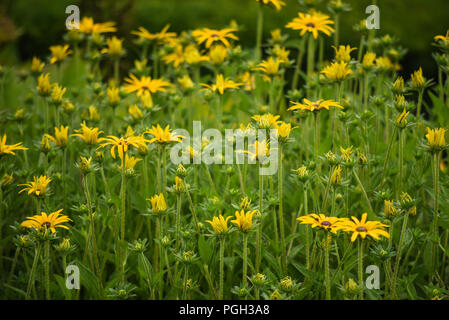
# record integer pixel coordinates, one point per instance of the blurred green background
(29, 27)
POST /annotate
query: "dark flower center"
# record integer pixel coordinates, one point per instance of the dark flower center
(310, 24)
(145, 88)
(361, 229)
(47, 224)
(214, 35)
(325, 223)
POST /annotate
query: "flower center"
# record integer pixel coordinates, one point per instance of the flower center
(361, 229)
(145, 88)
(310, 24)
(46, 224)
(325, 223)
(214, 35)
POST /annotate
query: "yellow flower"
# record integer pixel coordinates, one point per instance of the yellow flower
(186, 82)
(389, 209)
(321, 221)
(336, 175)
(219, 224)
(37, 65)
(135, 112)
(270, 67)
(147, 101)
(43, 84)
(176, 57)
(88, 26)
(113, 95)
(163, 136)
(418, 79)
(88, 135)
(314, 105)
(9, 149)
(276, 35)
(221, 84)
(364, 228)
(114, 48)
(281, 54)
(337, 71)
(179, 184)
(261, 150)
(209, 36)
(193, 56)
(442, 38)
(401, 120)
(38, 186)
(130, 162)
(145, 85)
(343, 53)
(266, 121)
(346, 153)
(159, 37)
(52, 221)
(384, 64)
(283, 130)
(61, 136)
(57, 93)
(248, 80)
(59, 53)
(6, 180)
(158, 203)
(244, 221)
(277, 4)
(122, 144)
(368, 60)
(398, 85)
(218, 54)
(85, 164)
(435, 138)
(312, 22)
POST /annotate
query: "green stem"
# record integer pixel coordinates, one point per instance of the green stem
(37, 252)
(259, 32)
(47, 269)
(220, 297)
(281, 213)
(245, 258)
(360, 267)
(398, 257)
(434, 231)
(259, 227)
(326, 265)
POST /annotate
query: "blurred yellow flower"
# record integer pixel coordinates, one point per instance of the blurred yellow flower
(343, 53)
(145, 85)
(209, 36)
(337, 71)
(43, 84)
(115, 48)
(312, 22)
(244, 220)
(163, 136)
(314, 105)
(61, 136)
(435, 138)
(158, 203)
(38, 186)
(9, 149)
(218, 54)
(277, 4)
(219, 224)
(88, 26)
(221, 84)
(135, 112)
(59, 53)
(52, 221)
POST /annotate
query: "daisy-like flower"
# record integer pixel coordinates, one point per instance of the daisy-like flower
(418, 80)
(159, 37)
(259, 150)
(52, 221)
(332, 224)
(283, 130)
(346, 153)
(210, 36)
(36, 65)
(266, 121)
(163, 136)
(88, 135)
(270, 67)
(219, 224)
(218, 54)
(130, 162)
(122, 144)
(364, 228)
(435, 138)
(38, 186)
(343, 53)
(193, 56)
(158, 203)
(401, 120)
(57, 93)
(135, 112)
(277, 4)
(312, 22)
(115, 48)
(9, 148)
(88, 26)
(113, 95)
(314, 105)
(244, 220)
(177, 57)
(221, 84)
(337, 71)
(61, 136)
(368, 60)
(59, 53)
(43, 84)
(145, 85)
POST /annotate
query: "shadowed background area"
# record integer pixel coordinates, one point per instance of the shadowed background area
(29, 27)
